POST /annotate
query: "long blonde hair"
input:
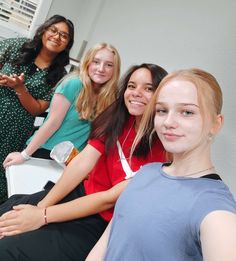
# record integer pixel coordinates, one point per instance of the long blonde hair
(209, 98)
(90, 104)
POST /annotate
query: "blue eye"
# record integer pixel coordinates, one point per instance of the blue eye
(187, 113)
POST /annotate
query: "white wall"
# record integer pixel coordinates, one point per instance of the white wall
(174, 34)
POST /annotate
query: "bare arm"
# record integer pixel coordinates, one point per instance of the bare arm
(87, 205)
(75, 172)
(60, 106)
(17, 221)
(218, 236)
(33, 106)
(98, 251)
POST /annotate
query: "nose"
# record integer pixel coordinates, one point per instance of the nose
(137, 92)
(101, 67)
(170, 121)
(57, 36)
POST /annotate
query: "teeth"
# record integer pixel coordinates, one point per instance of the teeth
(136, 102)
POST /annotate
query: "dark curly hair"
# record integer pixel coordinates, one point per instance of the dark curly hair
(111, 122)
(31, 49)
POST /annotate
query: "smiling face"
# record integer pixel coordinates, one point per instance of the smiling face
(139, 92)
(178, 120)
(100, 70)
(56, 38)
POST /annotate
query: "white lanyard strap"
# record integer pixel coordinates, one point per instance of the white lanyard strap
(128, 171)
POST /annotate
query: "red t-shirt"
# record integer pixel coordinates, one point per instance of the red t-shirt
(108, 170)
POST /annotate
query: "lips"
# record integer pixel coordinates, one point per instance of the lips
(171, 136)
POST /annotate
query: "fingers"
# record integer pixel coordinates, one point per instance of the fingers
(22, 206)
(13, 159)
(10, 233)
(9, 224)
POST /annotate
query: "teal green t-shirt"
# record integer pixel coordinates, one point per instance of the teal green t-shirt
(72, 128)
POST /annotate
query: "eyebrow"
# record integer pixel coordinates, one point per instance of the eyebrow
(145, 83)
(98, 59)
(181, 103)
(58, 29)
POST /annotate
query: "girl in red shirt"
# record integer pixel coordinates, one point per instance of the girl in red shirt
(84, 194)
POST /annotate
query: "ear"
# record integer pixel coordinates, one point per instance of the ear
(218, 124)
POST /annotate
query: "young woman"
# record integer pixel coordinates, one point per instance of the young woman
(97, 169)
(78, 99)
(190, 212)
(29, 70)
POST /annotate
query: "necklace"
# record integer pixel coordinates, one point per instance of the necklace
(131, 127)
(200, 171)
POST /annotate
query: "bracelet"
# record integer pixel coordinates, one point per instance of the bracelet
(45, 217)
(25, 155)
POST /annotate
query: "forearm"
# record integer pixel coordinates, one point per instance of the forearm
(78, 208)
(42, 135)
(75, 172)
(33, 106)
(86, 205)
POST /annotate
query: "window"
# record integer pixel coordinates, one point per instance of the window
(20, 17)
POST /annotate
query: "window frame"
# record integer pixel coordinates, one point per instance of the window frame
(8, 30)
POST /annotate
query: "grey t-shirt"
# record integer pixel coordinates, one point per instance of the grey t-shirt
(158, 216)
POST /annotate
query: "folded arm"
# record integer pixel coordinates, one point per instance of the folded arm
(27, 218)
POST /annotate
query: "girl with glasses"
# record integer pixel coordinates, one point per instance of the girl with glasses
(29, 70)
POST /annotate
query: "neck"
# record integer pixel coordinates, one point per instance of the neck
(191, 165)
(44, 59)
(137, 122)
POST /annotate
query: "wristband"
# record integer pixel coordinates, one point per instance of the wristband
(25, 155)
(45, 217)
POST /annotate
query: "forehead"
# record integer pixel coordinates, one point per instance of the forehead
(141, 75)
(104, 55)
(62, 26)
(178, 91)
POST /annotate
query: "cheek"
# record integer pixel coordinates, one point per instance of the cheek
(148, 96)
(44, 38)
(126, 97)
(90, 71)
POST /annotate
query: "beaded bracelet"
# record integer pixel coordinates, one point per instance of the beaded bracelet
(45, 216)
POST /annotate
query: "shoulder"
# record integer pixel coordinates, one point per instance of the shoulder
(150, 169)
(70, 83)
(14, 42)
(214, 195)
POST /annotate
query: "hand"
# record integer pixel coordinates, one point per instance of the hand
(22, 218)
(13, 81)
(13, 159)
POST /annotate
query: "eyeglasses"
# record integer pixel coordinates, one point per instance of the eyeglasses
(52, 30)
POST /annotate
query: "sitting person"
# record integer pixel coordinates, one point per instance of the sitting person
(102, 164)
(190, 212)
(78, 99)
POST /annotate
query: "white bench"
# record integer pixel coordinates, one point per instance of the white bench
(31, 176)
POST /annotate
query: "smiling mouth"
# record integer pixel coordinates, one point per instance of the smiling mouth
(137, 103)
